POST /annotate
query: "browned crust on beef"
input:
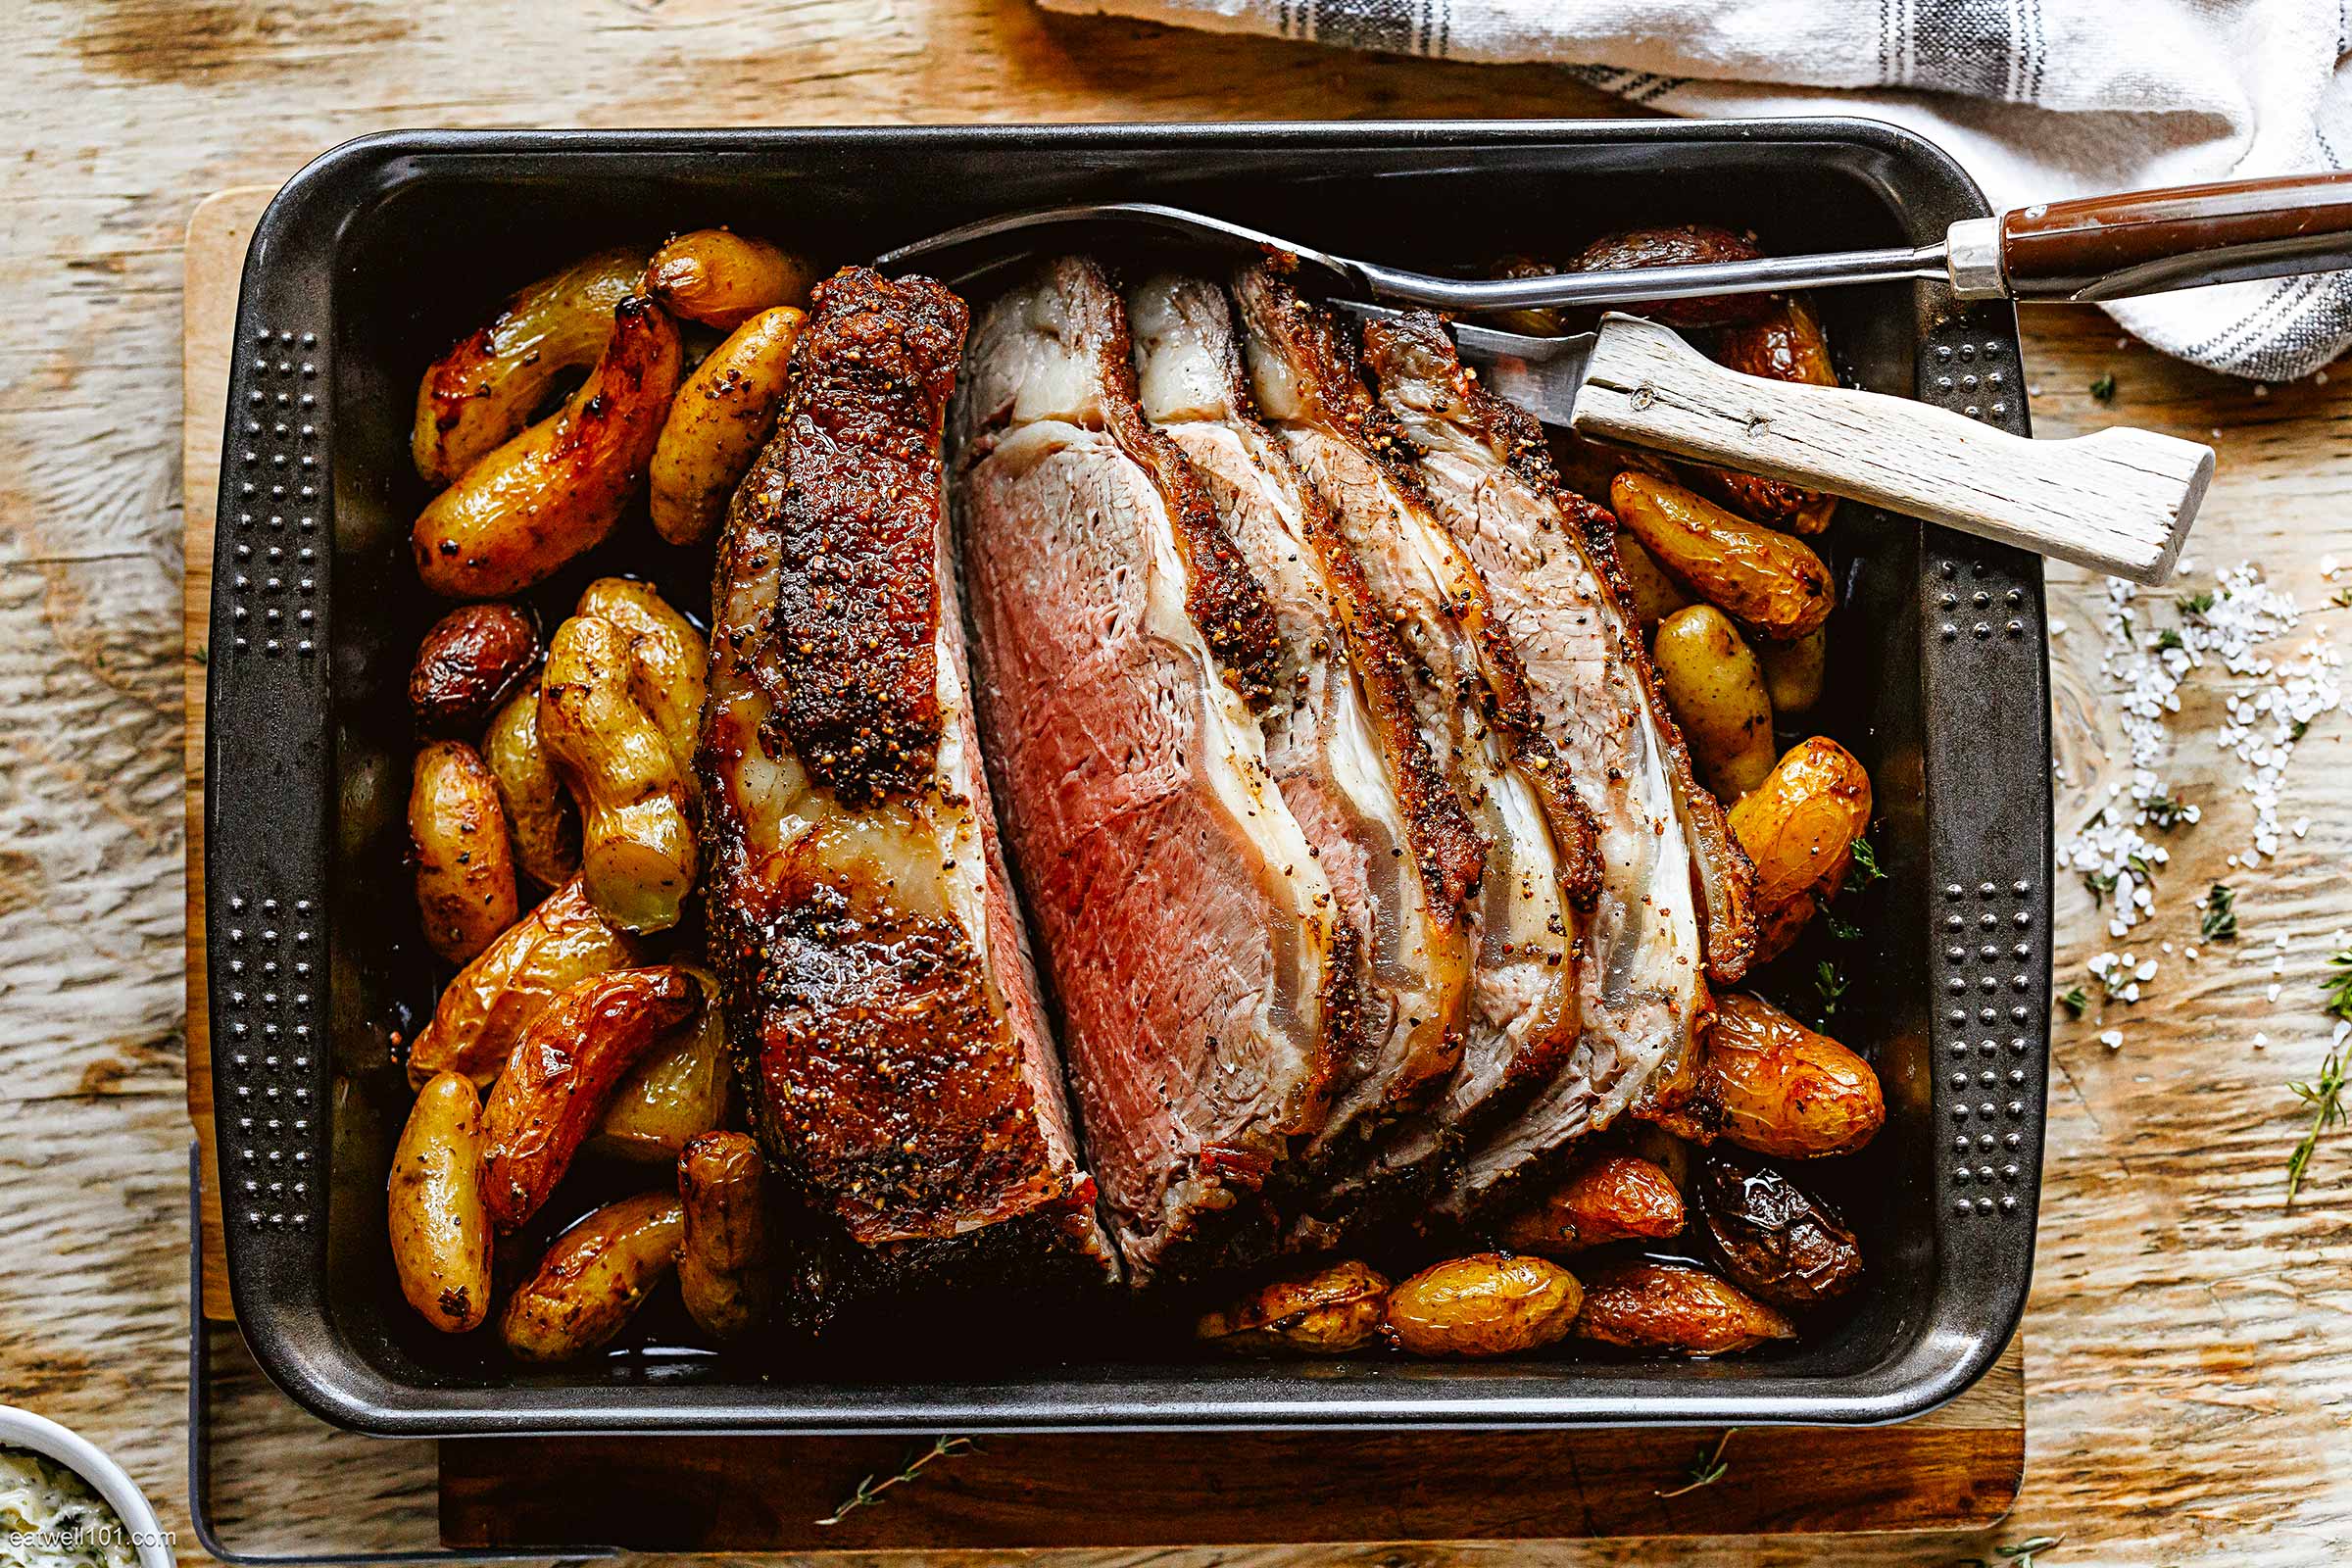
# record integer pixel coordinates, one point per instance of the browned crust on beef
(856, 607)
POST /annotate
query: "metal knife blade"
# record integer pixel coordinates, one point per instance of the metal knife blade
(1541, 375)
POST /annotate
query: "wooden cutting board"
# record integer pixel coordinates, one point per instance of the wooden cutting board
(1957, 1469)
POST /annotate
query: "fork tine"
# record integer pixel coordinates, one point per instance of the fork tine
(995, 242)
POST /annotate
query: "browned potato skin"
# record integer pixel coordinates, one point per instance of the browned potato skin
(1487, 1304)
(555, 490)
(720, 420)
(440, 1232)
(1612, 1197)
(464, 864)
(1650, 595)
(676, 1094)
(669, 662)
(563, 1073)
(540, 815)
(722, 279)
(1674, 1309)
(480, 394)
(1715, 691)
(1793, 671)
(470, 661)
(1777, 1241)
(594, 1279)
(1330, 1312)
(638, 854)
(1784, 1090)
(485, 1009)
(1799, 826)
(1764, 579)
(1786, 344)
(723, 1265)
(1675, 246)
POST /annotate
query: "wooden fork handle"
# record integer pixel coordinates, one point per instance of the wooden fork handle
(2119, 502)
(2146, 242)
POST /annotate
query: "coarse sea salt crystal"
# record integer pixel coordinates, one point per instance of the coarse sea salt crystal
(2260, 1040)
(2111, 1037)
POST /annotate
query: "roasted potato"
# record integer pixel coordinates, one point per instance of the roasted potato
(721, 417)
(485, 1009)
(669, 662)
(637, 856)
(1766, 581)
(440, 1230)
(1784, 1090)
(481, 393)
(1651, 595)
(722, 279)
(471, 659)
(1793, 671)
(1489, 1303)
(594, 1279)
(1716, 693)
(722, 1262)
(1776, 1240)
(563, 1073)
(540, 817)
(1676, 246)
(555, 490)
(1610, 1198)
(1786, 343)
(458, 840)
(1799, 826)
(1675, 1309)
(1329, 1311)
(676, 1094)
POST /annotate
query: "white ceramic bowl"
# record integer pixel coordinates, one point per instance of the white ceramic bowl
(21, 1429)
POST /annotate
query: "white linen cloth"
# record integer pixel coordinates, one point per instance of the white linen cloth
(2038, 99)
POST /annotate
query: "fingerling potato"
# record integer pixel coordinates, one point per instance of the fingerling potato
(1784, 1090)
(563, 1073)
(1489, 1303)
(669, 662)
(1327, 1311)
(1716, 693)
(722, 279)
(1674, 1309)
(1611, 1198)
(458, 839)
(480, 394)
(1651, 595)
(721, 417)
(1793, 671)
(471, 659)
(1762, 578)
(1784, 343)
(485, 1009)
(637, 853)
(1776, 1240)
(676, 1094)
(1675, 246)
(722, 1260)
(1800, 826)
(540, 817)
(594, 1279)
(440, 1230)
(555, 491)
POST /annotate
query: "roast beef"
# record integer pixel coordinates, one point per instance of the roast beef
(1549, 561)
(1120, 644)
(1469, 693)
(870, 963)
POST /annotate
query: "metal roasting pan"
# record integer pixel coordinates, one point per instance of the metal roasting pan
(382, 252)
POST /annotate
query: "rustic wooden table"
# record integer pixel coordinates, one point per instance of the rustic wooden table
(2189, 1373)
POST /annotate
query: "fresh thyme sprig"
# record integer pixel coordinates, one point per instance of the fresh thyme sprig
(2220, 921)
(2074, 1002)
(2165, 811)
(1830, 983)
(2326, 1099)
(2020, 1555)
(1707, 1468)
(2194, 605)
(2105, 387)
(869, 1491)
(1864, 869)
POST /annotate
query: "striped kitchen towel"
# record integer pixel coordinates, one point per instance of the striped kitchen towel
(2039, 99)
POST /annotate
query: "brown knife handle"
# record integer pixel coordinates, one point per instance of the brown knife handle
(2146, 242)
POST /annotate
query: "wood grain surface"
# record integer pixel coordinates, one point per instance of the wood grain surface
(2189, 1378)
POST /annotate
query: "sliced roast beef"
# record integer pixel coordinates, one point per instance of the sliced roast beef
(1345, 746)
(1549, 563)
(1120, 641)
(871, 966)
(1471, 705)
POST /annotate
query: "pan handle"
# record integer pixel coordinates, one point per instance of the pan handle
(2146, 242)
